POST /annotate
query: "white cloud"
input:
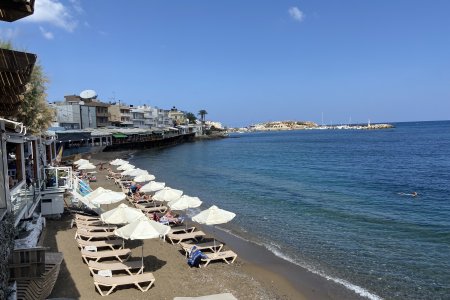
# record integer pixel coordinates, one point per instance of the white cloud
(8, 34)
(296, 14)
(47, 34)
(76, 4)
(55, 13)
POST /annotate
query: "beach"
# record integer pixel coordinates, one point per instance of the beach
(256, 274)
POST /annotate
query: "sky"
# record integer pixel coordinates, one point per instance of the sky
(249, 61)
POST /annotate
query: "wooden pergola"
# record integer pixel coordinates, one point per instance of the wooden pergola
(12, 10)
(15, 73)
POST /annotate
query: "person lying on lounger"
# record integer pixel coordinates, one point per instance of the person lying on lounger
(171, 218)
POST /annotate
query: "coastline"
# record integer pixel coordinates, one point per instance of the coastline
(286, 279)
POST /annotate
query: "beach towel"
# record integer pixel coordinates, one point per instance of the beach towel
(195, 257)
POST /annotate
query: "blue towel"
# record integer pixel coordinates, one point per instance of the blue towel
(195, 256)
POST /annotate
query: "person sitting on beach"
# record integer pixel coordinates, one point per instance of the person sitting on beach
(133, 189)
(155, 217)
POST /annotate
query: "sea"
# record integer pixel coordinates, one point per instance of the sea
(336, 202)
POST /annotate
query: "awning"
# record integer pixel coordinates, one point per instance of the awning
(119, 135)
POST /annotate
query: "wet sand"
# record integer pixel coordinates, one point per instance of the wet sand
(256, 274)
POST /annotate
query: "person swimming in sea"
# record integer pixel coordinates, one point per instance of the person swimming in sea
(413, 194)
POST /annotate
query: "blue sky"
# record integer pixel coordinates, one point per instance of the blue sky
(249, 61)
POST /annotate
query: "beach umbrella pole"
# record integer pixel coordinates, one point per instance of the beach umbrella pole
(142, 253)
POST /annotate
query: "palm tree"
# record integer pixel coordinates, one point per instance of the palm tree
(202, 113)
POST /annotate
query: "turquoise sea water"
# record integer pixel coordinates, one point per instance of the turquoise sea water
(328, 200)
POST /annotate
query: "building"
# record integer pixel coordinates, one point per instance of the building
(150, 116)
(178, 117)
(95, 112)
(163, 119)
(120, 115)
(137, 116)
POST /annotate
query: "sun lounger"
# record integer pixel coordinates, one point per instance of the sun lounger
(181, 229)
(152, 209)
(227, 256)
(86, 217)
(127, 266)
(88, 235)
(96, 256)
(176, 238)
(113, 282)
(95, 228)
(100, 244)
(213, 246)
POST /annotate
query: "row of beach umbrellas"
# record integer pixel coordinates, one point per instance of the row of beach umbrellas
(138, 226)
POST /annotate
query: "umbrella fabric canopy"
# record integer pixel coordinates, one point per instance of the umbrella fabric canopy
(108, 198)
(126, 167)
(213, 216)
(97, 192)
(152, 186)
(118, 162)
(167, 194)
(86, 166)
(121, 215)
(185, 202)
(142, 229)
(144, 178)
(81, 161)
(134, 172)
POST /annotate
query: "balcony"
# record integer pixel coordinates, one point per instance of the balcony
(12, 10)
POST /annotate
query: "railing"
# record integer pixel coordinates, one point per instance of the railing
(24, 199)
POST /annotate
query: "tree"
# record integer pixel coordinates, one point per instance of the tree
(34, 111)
(191, 117)
(202, 113)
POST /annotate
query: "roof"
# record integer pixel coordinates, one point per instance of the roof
(15, 73)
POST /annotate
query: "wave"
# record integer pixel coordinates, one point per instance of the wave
(276, 250)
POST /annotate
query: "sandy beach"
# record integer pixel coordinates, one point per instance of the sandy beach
(256, 274)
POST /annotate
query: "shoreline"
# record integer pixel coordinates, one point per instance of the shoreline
(286, 279)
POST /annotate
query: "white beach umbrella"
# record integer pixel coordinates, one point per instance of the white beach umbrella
(134, 172)
(108, 198)
(152, 186)
(214, 216)
(144, 178)
(184, 203)
(142, 229)
(122, 214)
(97, 192)
(126, 167)
(81, 161)
(87, 166)
(118, 162)
(167, 194)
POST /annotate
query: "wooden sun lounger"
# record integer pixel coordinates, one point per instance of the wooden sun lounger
(96, 256)
(176, 238)
(86, 217)
(181, 229)
(127, 266)
(77, 222)
(227, 256)
(213, 246)
(100, 244)
(113, 282)
(152, 209)
(88, 235)
(95, 228)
